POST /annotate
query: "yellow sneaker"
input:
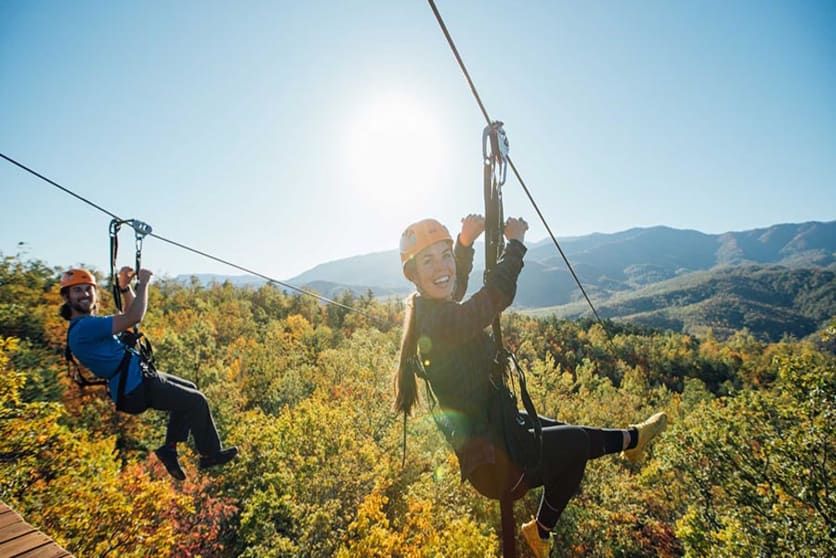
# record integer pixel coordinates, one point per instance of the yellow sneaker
(538, 546)
(648, 430)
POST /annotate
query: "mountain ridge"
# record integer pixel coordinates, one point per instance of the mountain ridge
(615, 267)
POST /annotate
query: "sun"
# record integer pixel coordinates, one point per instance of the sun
(394, 150)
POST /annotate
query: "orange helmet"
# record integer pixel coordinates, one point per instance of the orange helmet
(420, 235)
(77, 277)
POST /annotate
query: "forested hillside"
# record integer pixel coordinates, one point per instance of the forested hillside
(746, 467)
(771, 302)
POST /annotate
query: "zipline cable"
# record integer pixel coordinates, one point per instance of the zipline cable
(266, 278)
(194, 250)
(66, 190)
(510, 162)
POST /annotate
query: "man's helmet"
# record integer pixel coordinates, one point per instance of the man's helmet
(77, 277)
(420, 235)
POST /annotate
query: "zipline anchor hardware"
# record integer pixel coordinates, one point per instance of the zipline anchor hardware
(495, 150)
(494, 137)
(141, 230)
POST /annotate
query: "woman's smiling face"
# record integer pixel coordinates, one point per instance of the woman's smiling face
(435, 271)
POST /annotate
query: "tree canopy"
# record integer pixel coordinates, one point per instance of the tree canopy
(746, 467)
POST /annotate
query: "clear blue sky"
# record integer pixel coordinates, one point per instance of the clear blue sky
(280, 135)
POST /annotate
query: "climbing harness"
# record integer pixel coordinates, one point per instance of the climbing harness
(139, 348)
(74, 369)
(134, 340)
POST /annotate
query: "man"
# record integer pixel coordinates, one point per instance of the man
(135, 386)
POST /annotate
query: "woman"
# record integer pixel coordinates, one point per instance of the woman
(445, 342)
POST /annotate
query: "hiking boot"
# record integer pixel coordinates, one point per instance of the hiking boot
(222, 457)
(648, 430)
(539, 547)
(168, 457)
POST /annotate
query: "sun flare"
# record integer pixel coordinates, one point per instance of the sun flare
(394, 150)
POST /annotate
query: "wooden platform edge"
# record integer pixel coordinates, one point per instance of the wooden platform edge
(18, 539)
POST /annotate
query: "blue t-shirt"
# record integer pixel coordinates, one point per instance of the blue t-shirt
(92, 342)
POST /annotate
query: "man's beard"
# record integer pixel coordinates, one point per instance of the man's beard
(81, 309)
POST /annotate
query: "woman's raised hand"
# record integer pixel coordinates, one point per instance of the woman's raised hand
(472, 226)
(515, 229)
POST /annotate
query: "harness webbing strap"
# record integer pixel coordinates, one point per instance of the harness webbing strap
(114, 227)
(528, 405)
(74, 368)
(132, 342)
(123, 376)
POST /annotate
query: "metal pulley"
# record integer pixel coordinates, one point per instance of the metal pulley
(495, 148)
(140, 229)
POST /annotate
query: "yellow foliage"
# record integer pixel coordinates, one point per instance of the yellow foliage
(8, 345)
(298, 326)
(305, 390)
(369, 535)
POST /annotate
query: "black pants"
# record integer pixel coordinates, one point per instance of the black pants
(187, 407)
(566, 450)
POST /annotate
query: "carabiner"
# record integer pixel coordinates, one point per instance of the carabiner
(115, 225)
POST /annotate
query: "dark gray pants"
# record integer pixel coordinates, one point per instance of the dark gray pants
(187, 407)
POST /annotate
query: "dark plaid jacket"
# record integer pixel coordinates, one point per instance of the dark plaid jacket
(458, 354)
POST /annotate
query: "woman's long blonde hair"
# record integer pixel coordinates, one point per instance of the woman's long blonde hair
(406, 386)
